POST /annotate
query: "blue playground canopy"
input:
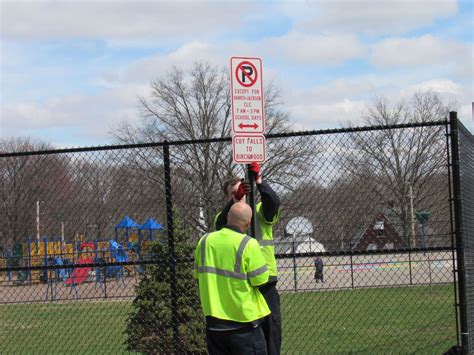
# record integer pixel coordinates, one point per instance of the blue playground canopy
(150, 224)
(127, 222)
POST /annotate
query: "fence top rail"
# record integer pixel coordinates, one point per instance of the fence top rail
(224, 139)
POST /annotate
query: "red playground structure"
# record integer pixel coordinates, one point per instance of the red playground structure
(81, 274)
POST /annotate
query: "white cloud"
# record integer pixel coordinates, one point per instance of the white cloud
(317, 116)
(18, 116)
(92, 116)
(336, 90)
(341, 100)
(318, 35)
(423, 51)
(447, 87)
(147, 69)
(311, 49)
(117, 19)
(373, 17)
(460, 94)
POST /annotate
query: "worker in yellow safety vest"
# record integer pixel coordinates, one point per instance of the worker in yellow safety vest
(267, 212)
(230, 267)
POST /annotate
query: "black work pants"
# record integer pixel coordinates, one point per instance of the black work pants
(272, 323)
(242, 341)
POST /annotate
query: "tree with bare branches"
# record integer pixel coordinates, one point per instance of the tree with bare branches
(25, 181)
(196, 105)
(401, 164)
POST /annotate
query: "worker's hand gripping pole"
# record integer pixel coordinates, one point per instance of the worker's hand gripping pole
(251, 200)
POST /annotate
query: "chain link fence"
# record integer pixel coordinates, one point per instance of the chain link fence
(97, 243)
(466, 162)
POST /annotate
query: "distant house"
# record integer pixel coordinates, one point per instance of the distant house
(380, 234)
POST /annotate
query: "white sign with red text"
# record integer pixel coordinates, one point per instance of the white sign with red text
(246, 86)
(248, 148)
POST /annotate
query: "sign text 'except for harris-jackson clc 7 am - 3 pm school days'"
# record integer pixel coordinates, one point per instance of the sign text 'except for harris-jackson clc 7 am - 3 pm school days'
(247, 95)
(248, 121)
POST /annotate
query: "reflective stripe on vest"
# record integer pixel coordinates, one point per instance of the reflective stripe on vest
(236, 274)
(259, 236)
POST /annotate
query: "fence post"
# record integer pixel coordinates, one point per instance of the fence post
(171, 249)
(409, 266)
(458, 230)
(352, 264)
(105, 281)
(295, 276)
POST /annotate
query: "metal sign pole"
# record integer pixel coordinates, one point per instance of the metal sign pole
(251, 200)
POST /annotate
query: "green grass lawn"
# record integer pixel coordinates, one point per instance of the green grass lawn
(369, 321)
(81, 327)
(392, 320)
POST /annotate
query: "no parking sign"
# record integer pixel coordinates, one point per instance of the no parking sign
(248, 121)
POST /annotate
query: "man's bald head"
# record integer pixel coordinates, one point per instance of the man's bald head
(240, 215)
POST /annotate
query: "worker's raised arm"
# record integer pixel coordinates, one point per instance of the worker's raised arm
(270, 200)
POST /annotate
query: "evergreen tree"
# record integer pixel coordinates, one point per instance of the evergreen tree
(150, 324)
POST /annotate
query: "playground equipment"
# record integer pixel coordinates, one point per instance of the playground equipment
(142, 249)
(13, 259)
(137, 238)
(131, 243)
(127, 224)
(117, 253)
(80, 275)
(55, 276)
(87, 255)
(38, 253)
(152, 227)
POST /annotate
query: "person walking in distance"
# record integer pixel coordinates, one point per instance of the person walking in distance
(267, 212)
(318, 269)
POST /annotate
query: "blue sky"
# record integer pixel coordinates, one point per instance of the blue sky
(71, 70)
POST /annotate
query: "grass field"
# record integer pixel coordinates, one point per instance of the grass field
(397, 320)
(369, 321)
(63, 328)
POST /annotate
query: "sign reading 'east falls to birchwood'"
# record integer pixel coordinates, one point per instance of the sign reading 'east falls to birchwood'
(248, 121)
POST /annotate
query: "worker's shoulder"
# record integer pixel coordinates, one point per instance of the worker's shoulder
(227, 233)
(252, 242)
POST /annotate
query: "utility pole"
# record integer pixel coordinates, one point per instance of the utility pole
(62, 232)
(37, 221)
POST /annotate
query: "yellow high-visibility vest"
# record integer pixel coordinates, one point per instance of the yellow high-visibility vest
(264, 235)
(230, 266)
